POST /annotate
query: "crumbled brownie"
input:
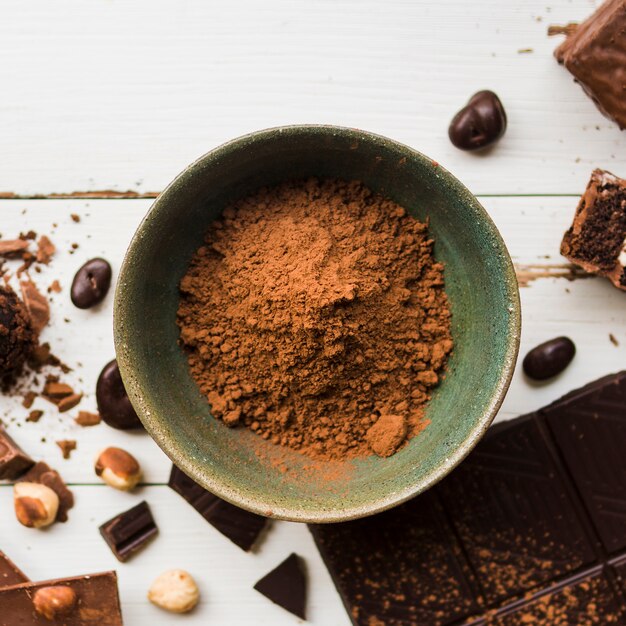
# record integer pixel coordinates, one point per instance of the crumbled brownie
(596, 240)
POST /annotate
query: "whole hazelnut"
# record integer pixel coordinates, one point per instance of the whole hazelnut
(118, 468)
(36, 505)
(53, 602)
(175, 591)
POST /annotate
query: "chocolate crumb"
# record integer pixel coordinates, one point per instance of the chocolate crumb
(613, 340)
(85, 418)
(69, 402)
(55, 286)
(36, 305)
(67, 446)
(29, 398)
(34, 416)
(45, 250)
(75, 217)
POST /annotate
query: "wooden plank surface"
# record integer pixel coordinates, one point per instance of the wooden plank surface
(122, 95)
(112, 95)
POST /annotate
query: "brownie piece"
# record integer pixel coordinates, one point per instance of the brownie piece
(595, 54)
(596, 240)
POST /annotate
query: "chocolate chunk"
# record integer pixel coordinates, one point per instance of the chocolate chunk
(43, 474)
(97, 602)
(480, 123)
(10, 574)
(594, 53)
(518, 534)
(45, 250)
(67, 446)
(129, 531)
(114, 404)
(590, 430)
(13, 247)
(85, 418)
(286, 585)
(241, 527)
(549, 358)
(91, 284)
(13, 460)
(596, 240)
(36, 305)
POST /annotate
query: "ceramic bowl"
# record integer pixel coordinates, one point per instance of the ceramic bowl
(239, 466)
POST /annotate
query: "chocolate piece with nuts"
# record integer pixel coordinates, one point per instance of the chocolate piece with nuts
(596, 240)
(54, 602)
(174, 591)
(41, 473)
(118, 468)
(36, 505)
(129, 531)
(76, 601)
(13, 460)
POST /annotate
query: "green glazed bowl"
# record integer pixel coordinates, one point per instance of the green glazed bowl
(239, 466)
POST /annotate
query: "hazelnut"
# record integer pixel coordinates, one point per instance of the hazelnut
(118, 468)
(175, 591)
(36, 505)
(53, 602)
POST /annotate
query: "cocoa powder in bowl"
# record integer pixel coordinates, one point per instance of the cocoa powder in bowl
(315, 315)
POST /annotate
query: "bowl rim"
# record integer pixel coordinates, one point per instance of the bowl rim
(202, 473)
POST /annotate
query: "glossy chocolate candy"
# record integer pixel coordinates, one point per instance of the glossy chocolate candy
(114, 404)
(549, 358)
(91, 283)
(480, 123)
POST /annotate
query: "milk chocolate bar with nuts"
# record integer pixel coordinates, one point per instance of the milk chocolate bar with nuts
(90, 600)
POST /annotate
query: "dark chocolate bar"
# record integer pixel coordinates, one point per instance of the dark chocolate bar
(285, 585)
(129, 531)
(241, 527)
(530, 529)
(95, 602)
(595, 54)
(13, 460)
(10, 574)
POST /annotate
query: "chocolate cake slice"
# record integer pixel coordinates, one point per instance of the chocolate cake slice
(596, 240)
(595, 54)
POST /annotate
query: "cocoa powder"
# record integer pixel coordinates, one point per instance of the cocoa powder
(315, 315)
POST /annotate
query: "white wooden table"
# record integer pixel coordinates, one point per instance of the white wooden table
(108, 96)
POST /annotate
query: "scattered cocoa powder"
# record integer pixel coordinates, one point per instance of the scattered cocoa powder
(315, 315)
